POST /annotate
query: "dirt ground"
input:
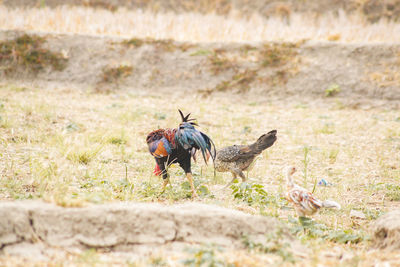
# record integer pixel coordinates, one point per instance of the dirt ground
(354, 74)
(76, 147)
(76, 181)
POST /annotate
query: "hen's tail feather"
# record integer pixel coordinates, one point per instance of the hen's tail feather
(331, 204)
(264, 141)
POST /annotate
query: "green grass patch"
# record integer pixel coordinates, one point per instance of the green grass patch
(201, 52)
(83, 155)
(255, 195)
(274, 243)
(392, 192)
(332, 90)
(204, 256)
(306, 228)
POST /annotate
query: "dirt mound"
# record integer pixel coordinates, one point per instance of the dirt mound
(386, 231)
(124, 226)
(372, 10)
(314, 69)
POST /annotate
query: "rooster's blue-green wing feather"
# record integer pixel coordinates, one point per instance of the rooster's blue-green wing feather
(189, 137)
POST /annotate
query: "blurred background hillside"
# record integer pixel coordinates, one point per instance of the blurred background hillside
(371, 10)
(191, 20)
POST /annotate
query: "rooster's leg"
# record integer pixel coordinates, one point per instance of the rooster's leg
(165, 176)
(190, 178)
(166, 181)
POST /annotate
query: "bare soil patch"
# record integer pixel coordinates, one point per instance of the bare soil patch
(359, 72)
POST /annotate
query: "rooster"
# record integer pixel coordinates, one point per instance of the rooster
(304, 202)
(179, 145)
(237, 158)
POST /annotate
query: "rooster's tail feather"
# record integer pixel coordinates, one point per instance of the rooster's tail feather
(189, 137)
(210, 146)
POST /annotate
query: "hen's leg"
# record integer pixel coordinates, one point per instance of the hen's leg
(233, 179)
(190, 178)
(240, 173)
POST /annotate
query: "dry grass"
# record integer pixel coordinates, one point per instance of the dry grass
(112, 76)
(196, 27)
(73, 147)
(76, 147)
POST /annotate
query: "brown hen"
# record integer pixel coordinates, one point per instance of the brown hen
(238, 158)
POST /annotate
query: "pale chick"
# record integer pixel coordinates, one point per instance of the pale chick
(303, 201)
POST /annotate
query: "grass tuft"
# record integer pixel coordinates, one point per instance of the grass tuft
(27, 52)
(83, 155)
(393, 192)
(275, 55)
(332, 90)
(115, 74)
(166, 45)
(274, 64)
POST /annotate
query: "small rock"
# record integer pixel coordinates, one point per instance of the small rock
(357, 214)
(324, 182)
(385, 231)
